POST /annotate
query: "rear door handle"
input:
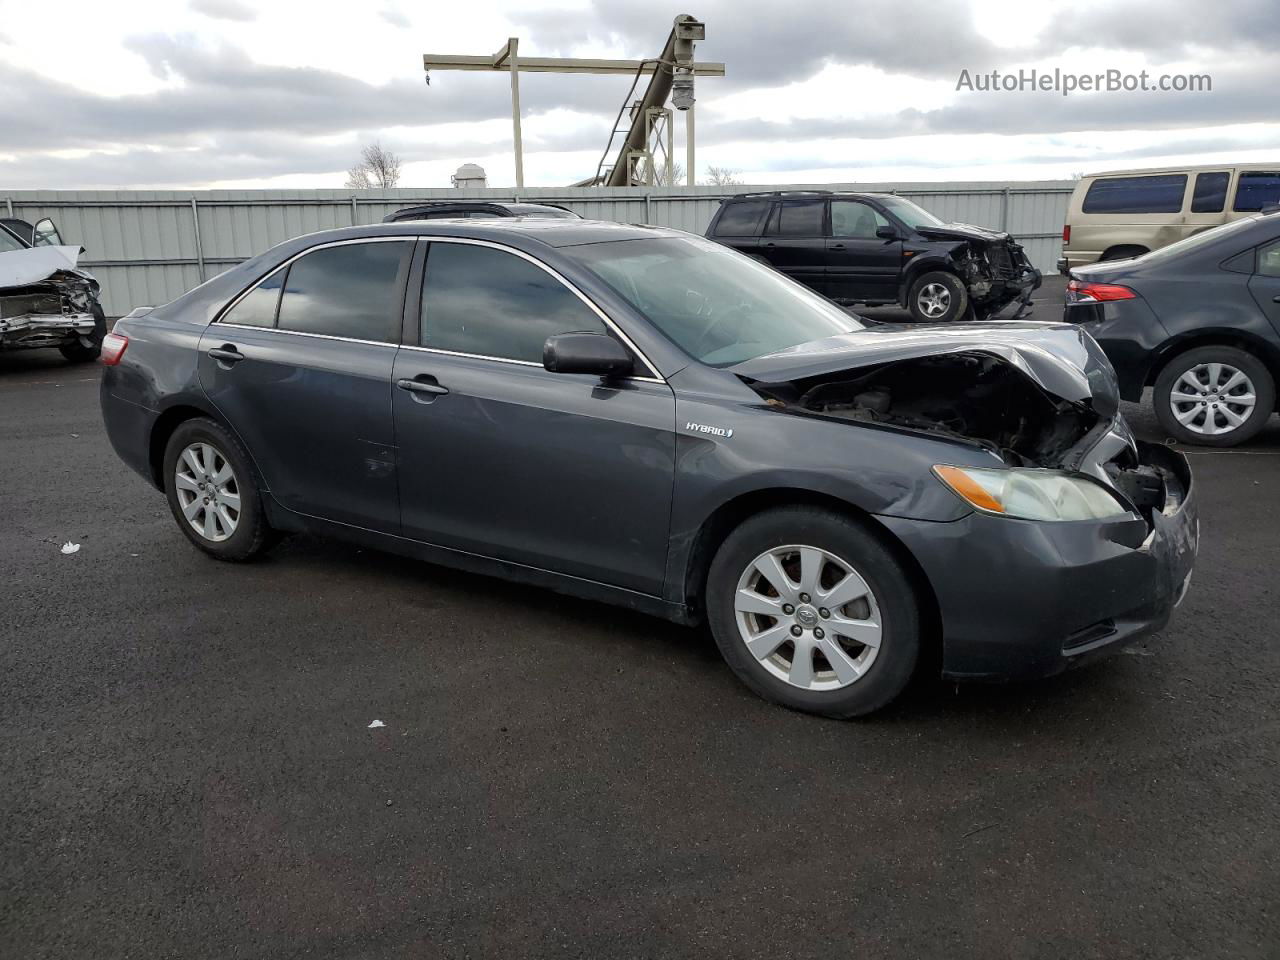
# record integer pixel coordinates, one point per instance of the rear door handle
(1275, 299)
(227, 353)
(422, 383)
(837, 246)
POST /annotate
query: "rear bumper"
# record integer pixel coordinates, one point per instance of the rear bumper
(32, 330)
(1130, 334)
(129, 426)
(1025, 599)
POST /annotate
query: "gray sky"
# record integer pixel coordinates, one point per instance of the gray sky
(282, 93)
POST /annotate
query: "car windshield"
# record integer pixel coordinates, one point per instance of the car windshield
(9, 243)
(913, 216)
(717, 305)
(1197, 240)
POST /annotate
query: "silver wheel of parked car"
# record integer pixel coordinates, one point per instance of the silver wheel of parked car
(208, 492)
(1212, 398)
(933, 300)
(808, 617)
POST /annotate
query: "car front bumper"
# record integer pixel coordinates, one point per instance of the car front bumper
(1020, 598)
(32, 330)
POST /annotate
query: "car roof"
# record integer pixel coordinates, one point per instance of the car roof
(1188, 168)
(559, 232)
(513, 206)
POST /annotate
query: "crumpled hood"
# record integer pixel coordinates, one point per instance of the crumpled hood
(21, 267)
(962, 231)
(1061, 358)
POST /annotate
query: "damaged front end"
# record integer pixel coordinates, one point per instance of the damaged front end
(1032, 396)
(46, 302)
(993, 267)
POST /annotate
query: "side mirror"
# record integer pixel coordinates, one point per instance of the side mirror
(596, 353)
(887, 233)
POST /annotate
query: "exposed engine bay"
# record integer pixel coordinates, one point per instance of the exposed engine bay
(982, 399)
(46, 301)
(993, 273)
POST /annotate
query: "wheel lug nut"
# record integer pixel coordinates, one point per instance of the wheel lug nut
(804, 598)
(796, 631)
(788, 609)
(818, 632)
(824, 613)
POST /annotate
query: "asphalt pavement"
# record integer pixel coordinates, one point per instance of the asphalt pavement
(187, 767)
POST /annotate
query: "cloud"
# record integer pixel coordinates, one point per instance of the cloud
(394, 17)
(224, 10)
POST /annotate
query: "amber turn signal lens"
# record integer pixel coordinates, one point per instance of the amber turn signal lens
(968, 489)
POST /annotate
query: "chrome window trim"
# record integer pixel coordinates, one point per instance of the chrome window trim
(305, 333)
(590, 304)
(280, 266)
(519, 363)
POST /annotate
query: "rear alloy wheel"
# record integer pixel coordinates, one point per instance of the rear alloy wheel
(813, 612)
(1214, 396)
(938, 297)
(213, 492)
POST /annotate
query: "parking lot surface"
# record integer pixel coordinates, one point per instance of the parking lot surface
(188, 766)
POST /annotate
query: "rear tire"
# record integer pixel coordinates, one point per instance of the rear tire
(938, 297)
(213, 491)
(830, 645)
(1200, 394)
(88, 348)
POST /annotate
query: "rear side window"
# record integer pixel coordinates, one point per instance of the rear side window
(350, 290)
(490, 303)
(1256, 189)
(257, 308)
(798, 218)
(741, 219)
(1269, 260)
(1155, 194)
(1210, 194)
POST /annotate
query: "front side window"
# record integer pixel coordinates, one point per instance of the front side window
(1155, 194)
(257, 308)
(798, 218)
(912, 214)
(741, 219)
(491, 303)
(1269, 260)
(1256, 189)
(1210, 194)
(350, 290)
(715, 304)
(858, 221)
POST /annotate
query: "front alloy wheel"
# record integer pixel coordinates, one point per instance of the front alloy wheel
(808, 617)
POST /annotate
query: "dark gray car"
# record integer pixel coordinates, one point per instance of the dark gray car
(647, 418)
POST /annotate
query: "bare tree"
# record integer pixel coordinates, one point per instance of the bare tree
(378, 167)
(670, 174)
(722, 177)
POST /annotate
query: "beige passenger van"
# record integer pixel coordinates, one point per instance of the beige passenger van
(1126, 213)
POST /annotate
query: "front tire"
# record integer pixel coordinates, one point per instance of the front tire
(1214, 396)
(88, 348)
(213, 491)
(938, 297)
(813, 612)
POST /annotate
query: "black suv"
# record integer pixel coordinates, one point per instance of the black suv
(877, 248)
(479, 210)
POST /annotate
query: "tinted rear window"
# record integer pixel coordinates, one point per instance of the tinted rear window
(1155, 194)
(741, 219)
(351, 290)
(1210, 194)
(257, 308)
(798, 218)
(1257, 188)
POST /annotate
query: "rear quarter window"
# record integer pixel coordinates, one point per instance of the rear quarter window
(741, 219)
(1160, 193)
(1210, 195)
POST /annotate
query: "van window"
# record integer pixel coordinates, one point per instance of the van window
(1155, 194)
(1257, 188)
(1210, 194)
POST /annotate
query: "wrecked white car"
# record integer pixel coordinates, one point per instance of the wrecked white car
(45, 299)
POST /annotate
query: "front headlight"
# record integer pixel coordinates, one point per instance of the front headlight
(1032, 494)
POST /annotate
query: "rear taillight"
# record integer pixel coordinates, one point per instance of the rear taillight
(1083, 290)
(113, 347)
(1066, 233)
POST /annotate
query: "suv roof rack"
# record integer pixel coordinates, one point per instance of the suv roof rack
(783, 193)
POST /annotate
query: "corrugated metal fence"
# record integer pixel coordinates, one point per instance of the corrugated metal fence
(147, 247)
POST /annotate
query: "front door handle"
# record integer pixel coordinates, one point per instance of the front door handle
(837, 246)
(1275, 299)
(423, 383)
(227, 353)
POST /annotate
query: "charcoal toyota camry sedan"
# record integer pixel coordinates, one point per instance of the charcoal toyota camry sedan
(648, 418)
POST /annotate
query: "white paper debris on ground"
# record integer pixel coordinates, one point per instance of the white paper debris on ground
(70, 547)
(376, 723)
